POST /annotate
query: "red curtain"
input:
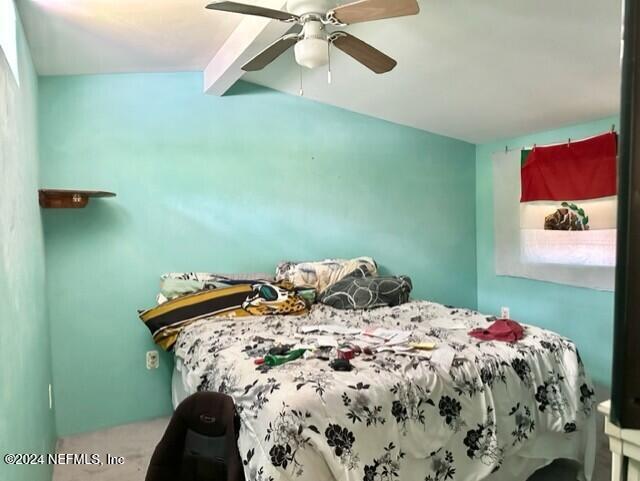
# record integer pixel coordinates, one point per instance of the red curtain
(580, 170)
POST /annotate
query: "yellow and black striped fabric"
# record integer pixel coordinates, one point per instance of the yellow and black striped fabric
(167, 320)
(239, 300)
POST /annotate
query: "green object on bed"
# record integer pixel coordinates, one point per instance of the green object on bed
(309, 295)
(274, 360)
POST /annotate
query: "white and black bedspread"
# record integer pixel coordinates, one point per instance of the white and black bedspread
(498, 408)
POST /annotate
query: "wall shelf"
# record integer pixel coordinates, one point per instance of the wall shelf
(67, 198)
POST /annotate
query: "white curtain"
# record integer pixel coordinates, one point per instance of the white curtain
(587, 263)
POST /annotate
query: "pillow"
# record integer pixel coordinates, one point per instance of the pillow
(367, 292)
(171, 288)
(208, 276)
(268, 299)
(321, 274)
(176, 284)
(167, 320)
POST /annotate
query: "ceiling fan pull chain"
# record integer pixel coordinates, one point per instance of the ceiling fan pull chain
(301, 89)
(329, 63)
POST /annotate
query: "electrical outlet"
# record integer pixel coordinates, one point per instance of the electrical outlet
(153, 360)
(504, 313)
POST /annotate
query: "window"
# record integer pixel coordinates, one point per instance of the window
(8, 36)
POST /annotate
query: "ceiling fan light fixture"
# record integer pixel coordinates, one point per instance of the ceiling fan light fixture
(312, 50)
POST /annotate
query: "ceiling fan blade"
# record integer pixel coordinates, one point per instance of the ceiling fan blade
(272, 52)
(367, 10)
(253, 10)
(364, 53)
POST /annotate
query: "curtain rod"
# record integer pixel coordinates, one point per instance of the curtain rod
(531, 147)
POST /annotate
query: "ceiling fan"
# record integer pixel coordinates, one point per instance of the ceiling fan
(309, 33)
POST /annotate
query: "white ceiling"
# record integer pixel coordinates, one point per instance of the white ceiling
(106, 36)
(474, 70)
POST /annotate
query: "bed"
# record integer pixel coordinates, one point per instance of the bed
(468, 410)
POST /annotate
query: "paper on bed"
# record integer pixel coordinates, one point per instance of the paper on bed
(399, 349)
(326, 341)
(380, 333)
(445, 323)
(443, 357)
(364, 342)
(399, 339)
(367, 340)
(389, 336)
(330, 329)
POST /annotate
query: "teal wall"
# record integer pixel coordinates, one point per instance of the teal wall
(584, 315)
(26, 423)
(227, 184)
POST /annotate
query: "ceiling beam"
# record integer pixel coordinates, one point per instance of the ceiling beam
(250, 36)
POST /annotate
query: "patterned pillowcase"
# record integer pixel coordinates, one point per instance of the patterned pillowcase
(367, 292)
(321, 274)
(269, 299)
(167, 320)
(171, 288)
(176, 284)
(209, 277)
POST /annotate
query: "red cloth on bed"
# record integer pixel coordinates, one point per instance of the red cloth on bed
(501, 330)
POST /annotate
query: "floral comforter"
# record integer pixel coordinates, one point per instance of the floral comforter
(458, 415)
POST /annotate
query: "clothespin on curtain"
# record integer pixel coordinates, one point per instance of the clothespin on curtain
(613, 128)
